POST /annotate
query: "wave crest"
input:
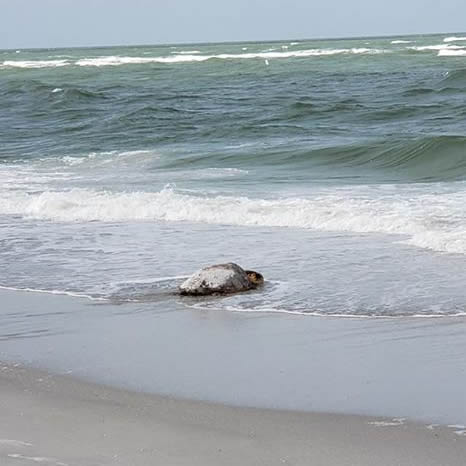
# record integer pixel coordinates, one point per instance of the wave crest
(187, 57)
(453, 39)
(452, 53)
(420, 219)
(35, 63)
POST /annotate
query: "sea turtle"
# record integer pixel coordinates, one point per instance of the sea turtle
(222, 279)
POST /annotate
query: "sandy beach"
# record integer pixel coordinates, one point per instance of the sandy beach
(55, 421)
(411, 368)
(108, 394)
(333, 167)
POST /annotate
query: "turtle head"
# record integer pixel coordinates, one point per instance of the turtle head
(255, 278)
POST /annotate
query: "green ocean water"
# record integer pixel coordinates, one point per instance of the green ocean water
(349, 150)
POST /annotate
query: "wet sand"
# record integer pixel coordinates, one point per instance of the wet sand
(56, 420)
(412, 368)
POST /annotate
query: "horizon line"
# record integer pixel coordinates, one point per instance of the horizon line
(170, 44)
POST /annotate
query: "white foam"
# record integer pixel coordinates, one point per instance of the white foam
(317, 313)
(35, 63)
(108, 157)
(187, 57)
(54, 292)
(452, 53)
(187, 52)
(420, 219)
(118, 61)
(432, 426)
(439, 47)
(15, 443)
(453, 39)
(393, 423)
(217, 173)
(401, 42)
(422, 48)
(36, 459)
(179, 58)
(460, 429)
(57, 89)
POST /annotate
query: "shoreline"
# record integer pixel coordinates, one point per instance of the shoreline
(59, 420)
(370, 367)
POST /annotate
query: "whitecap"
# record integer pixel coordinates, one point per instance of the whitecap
(452, 53)
(401, 41)
(35, 63)
(117, 61)
(187, 52)
(453, 39)
(179, 58)
(422, 48)
(57, 89)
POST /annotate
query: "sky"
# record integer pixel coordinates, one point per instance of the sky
(66, 23)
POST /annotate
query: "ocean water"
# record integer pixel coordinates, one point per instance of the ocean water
(336, 168)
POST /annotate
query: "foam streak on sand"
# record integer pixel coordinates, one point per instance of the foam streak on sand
(56, 292)
(36, 459)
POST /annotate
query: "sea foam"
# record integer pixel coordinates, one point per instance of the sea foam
(35, 63)
(188, 56)
(453, 39)
(452, 53)
(419, 220)
(422, 48)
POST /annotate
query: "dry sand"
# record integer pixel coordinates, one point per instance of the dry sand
(55, 420)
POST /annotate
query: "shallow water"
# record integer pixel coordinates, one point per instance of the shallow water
(336, 168)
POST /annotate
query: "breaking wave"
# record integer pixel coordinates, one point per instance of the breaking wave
(421, 218)
(452, 53)
(453, 39)
(439, 47)
(34, 63)
(187, 57)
